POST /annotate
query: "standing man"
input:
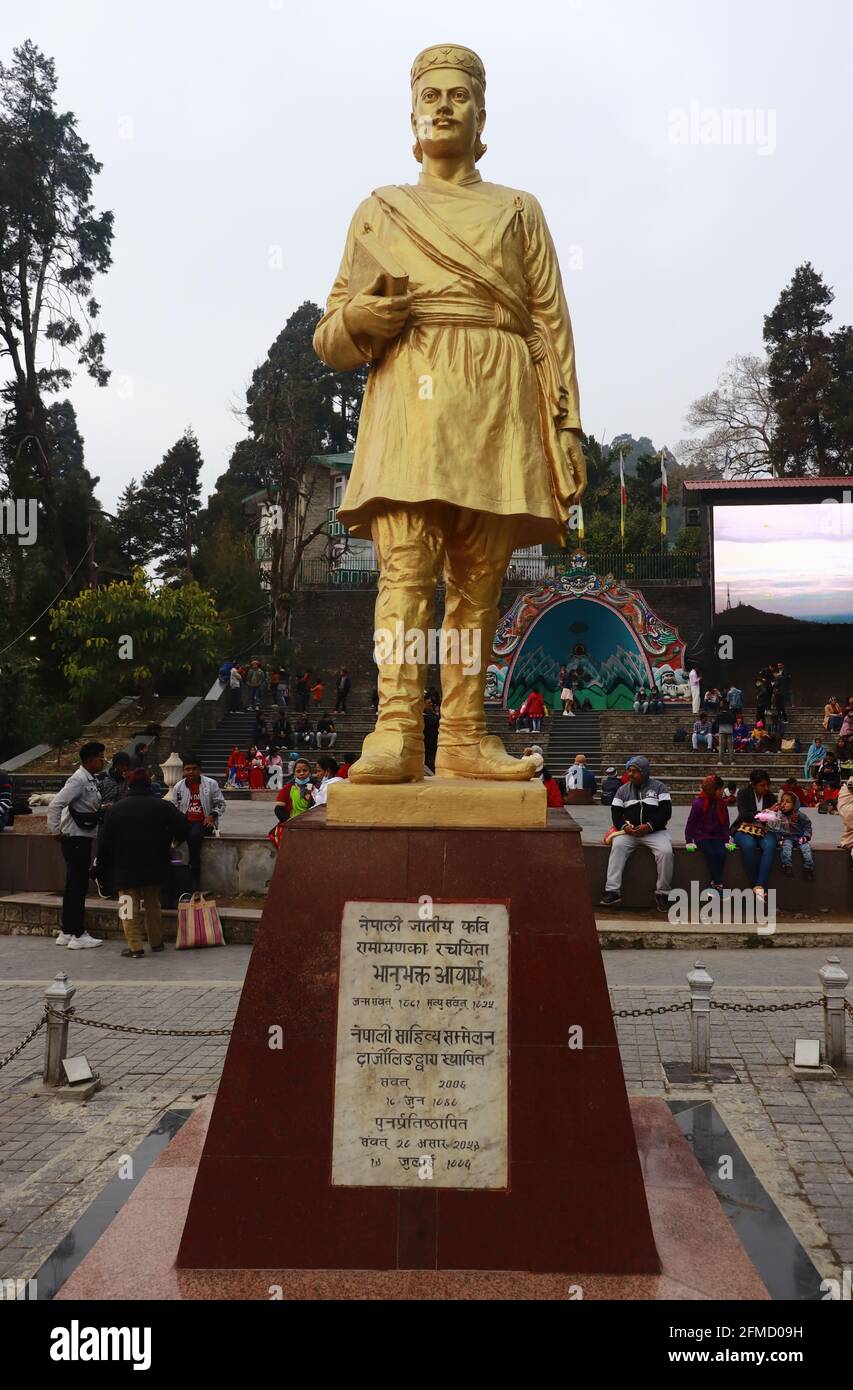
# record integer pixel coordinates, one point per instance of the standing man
(469, 442)
(235, 686)
(342, 689)
(695, 679)
(134, 853)
(73, 817)
(200, 800)
(255, 681)
(640, 810)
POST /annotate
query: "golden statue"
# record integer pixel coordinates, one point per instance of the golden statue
(469, 439)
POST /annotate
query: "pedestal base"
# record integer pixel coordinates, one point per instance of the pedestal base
(700, 1255)
(575, 1199)
(440, 802)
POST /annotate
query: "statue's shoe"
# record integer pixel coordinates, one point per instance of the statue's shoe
(486, 759)
(388, 757)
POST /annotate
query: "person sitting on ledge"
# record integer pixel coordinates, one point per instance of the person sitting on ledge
(793, 827)
(833, 715)
(707, 827)
(534, 751)
(641, 701)
(740, 733)
(827, 784)
(640, 811)
(703, 731)
(552, 788)
(610, 786)
(655, 702)
(579, 778)
(756, 843)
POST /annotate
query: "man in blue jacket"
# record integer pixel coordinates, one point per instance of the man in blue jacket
(640, 810)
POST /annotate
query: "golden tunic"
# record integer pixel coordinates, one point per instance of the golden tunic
(466, 406)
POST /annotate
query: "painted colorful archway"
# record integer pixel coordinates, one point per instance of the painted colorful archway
(608, 636)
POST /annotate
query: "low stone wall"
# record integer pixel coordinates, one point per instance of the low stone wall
(234, 867)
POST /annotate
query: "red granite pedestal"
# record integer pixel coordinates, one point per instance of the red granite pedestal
(575, 1200)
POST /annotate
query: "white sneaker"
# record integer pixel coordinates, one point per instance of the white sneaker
(81, 943)
(63, 938)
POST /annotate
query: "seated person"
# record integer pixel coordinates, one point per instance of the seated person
(326, 733)
(827, 783)
(552, 787)
(703, 732)
(609, 786)
(712, 700)
(641, 701)
(707, 827)
(740, 732)
(640, 811)
(844, 753)
(793, 827)
(580, 779)
(303, 734)
(655, 702)
(758, 735)
(680, 735)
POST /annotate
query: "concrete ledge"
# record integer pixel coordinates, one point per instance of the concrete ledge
(21, 759)
(38, 914)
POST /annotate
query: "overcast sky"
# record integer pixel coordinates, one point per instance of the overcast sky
(783, 559)
(237, 137)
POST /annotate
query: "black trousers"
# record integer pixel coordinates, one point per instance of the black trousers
(195, 835)
(77, 853)
(341, 703)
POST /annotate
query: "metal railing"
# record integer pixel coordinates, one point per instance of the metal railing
(356, 571)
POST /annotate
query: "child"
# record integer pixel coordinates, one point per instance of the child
(793, 827)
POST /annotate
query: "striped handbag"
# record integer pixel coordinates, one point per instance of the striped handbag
(198, 922)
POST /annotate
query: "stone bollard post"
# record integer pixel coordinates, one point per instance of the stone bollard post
(172, 770)
(834, 981)
(58, 996)
(701, 984)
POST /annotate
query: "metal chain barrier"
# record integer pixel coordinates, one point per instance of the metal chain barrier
(646, 1013)
(21, 1045)
(129, 1028)
(733, 1008)
(769, 1008)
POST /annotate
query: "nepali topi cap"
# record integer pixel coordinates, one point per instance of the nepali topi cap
(449, 55)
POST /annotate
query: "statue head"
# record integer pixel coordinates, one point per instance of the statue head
(448, 102)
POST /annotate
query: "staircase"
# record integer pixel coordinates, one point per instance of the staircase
(215, 746)
(566, 737)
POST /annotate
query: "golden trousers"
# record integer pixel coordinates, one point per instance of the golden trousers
(415, 543)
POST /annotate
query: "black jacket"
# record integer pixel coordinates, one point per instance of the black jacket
(746, 806)
(136, 837)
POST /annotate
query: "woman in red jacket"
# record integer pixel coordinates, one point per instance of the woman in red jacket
(534, 708)
(553, 789)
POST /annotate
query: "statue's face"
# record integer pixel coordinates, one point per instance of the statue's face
(445, 116)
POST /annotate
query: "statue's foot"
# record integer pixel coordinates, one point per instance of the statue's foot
(485, 758)
(388, 757)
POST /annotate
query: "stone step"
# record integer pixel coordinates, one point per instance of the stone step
(38, 914)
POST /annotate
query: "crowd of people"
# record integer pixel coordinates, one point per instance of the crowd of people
(300, 692)
(764, 822)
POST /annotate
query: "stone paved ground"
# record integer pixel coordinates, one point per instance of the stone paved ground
(55, 1157)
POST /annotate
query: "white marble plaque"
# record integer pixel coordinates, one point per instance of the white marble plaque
(421, 1071)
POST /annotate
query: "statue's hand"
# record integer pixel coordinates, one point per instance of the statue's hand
(372, 315)
(577, 460)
